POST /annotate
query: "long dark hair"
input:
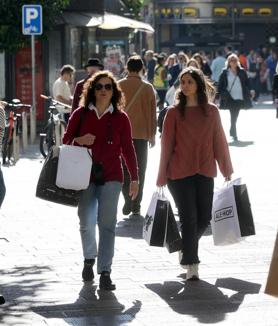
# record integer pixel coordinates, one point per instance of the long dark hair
(88, 94)
(204, 90)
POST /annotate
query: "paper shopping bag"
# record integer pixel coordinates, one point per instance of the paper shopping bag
(272, 279)
(231, 215)
(154, 226)
(244, 212)
(173, 238)
(74, 167)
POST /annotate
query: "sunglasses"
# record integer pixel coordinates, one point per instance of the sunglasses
(100, 86)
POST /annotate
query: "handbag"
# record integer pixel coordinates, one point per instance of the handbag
(46, 186)
(232, 218)
(74, 167)
(227, 101)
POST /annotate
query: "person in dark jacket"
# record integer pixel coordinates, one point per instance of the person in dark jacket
(93, 65)
(234, 91)
(275, 90)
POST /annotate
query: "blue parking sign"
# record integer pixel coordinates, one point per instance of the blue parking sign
(32, 19)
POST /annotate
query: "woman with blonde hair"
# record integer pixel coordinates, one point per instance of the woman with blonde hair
(234, 91)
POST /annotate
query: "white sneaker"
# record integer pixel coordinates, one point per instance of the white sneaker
(192, 272)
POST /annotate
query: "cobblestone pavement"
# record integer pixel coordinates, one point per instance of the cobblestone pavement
(41, 260)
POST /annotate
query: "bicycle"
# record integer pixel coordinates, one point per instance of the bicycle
(56, 126)
(13, 130)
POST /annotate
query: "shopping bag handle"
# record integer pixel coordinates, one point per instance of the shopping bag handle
(160, 191)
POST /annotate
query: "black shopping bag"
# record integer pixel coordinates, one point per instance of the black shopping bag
(245, 216)
(173, 238)
(46, 186)
(154, 227)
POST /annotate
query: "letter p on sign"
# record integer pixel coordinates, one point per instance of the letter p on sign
(32, 19)
(31, 14)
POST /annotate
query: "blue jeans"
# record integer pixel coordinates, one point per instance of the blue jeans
(98, 205)
(2, 188)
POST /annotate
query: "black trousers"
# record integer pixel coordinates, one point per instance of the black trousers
(193, 197)
(234, 112)
(141, 149)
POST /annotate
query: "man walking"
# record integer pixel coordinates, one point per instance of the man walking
(61, 89)
(141, 109)
(217, 65)
(93, 65)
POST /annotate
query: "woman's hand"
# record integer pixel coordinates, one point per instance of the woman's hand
(152, 142)
(133, 189)
(161, 181)
(228, 178)
(87, 139)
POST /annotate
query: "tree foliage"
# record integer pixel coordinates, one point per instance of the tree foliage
(135, 5)
(11, 37)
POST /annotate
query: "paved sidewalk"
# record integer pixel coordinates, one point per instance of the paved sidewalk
(41, 259)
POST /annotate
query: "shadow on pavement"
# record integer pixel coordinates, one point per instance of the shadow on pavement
(241, 143)
(131, 227)
(93, 307)
(22, 288)
(203, 300)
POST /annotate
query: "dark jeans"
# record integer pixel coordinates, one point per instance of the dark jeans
(141, 149)
(2, 188)
(234, 112)
(193, 197)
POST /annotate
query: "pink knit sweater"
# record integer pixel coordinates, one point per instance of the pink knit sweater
(193, 144)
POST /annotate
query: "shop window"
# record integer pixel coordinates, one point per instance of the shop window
(190, 12)
(166, 13)
(220, 11)
(248, 12)
(265, 12)
(177, 13)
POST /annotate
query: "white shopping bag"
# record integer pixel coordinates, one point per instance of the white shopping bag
(232, 218)
(74, 167)
(224, 222)
(155, 223)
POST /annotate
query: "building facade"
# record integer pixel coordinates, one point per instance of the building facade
(206, 24)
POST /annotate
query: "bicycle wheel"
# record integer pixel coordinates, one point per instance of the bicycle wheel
(47, 140)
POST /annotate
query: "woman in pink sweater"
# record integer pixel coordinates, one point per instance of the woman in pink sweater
(193, 140)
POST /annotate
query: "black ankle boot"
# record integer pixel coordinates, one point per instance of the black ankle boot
(105, 282)
(2, 300)
(88, 273)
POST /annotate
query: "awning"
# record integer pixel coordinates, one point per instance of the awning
(106, 21)
(111, 21)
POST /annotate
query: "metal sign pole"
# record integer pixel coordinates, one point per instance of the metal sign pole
(32, 25)
(33, 111)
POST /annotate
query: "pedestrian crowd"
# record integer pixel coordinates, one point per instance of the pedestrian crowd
(117, 120)
(116, 117)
